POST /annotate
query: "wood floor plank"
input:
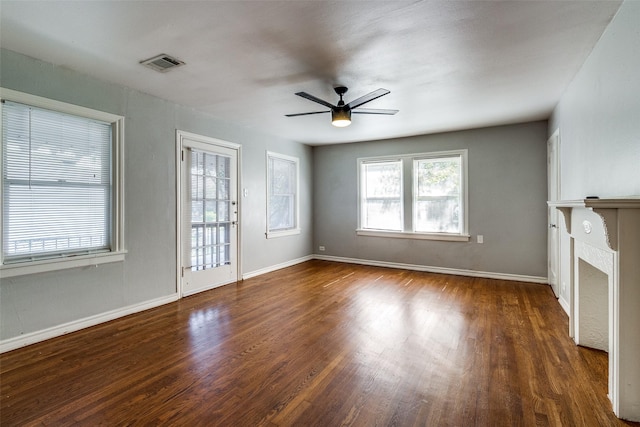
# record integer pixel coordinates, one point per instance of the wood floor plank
(320, 344)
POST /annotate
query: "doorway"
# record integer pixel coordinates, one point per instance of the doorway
(553, 195)
(208, 229)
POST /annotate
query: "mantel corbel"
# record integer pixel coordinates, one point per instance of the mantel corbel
(606, 209)
(610, 221)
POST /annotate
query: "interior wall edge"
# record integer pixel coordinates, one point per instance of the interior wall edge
(440, 270)
(14, 343)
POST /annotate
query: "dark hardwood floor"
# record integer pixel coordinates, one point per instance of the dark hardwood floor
(320, 344)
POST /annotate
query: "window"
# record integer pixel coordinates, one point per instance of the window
(431, 187)
(282, 195)
(382, 195)
(61, 185)
(437, 195)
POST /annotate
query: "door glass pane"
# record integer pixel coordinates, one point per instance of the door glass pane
(223, 189)
(223, 211)
(223, 236)
(210, 210)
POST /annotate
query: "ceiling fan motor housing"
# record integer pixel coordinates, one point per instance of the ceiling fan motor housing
(341, 116)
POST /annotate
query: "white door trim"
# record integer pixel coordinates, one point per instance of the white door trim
(553, 217)
(213, 142)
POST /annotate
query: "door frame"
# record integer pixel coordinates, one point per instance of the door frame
(553, 171)
(213, 142)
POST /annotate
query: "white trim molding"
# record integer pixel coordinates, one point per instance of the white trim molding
(441, 270)
(76, 325)
(280, 266)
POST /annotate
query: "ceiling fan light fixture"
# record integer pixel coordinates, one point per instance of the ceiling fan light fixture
(340, 118)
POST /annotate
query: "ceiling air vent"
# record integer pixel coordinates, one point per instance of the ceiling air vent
(162, 63)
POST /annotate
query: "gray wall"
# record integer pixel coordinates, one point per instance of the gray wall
(507, 201)
(599, 115)
(39, 301)
(598, 118)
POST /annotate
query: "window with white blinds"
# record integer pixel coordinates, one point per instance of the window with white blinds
(57, 184)
(282, 197)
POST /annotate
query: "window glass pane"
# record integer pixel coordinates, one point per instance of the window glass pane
(438, 195)
(381, 199)
(282, 186)
(281, 212)
(197, 208)
(56, 183)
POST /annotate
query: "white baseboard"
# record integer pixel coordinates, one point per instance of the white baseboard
(443, 270)
(76, 325)
(564, 304)
(276, 267)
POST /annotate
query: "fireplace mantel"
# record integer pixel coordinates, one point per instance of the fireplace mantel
(605, 237)
(605, 208)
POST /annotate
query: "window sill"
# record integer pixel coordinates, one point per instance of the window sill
(417, 236)
(275, 234)
(53, 264)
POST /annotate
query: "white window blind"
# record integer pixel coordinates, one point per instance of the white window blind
(282, 183)
(56, 183)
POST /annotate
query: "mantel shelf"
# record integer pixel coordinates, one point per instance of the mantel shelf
(618, 203)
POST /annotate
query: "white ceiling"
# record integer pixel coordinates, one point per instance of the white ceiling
(449, 65)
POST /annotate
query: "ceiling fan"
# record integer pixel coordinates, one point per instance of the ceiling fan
(341, 113)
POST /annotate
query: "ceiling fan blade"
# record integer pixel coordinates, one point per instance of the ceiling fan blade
(306, 114)
(374, 111)
(368, 97)
(315, 99)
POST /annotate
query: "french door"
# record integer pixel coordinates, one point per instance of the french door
(208, 211)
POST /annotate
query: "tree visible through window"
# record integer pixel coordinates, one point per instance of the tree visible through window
(438, 195)
(436, 182)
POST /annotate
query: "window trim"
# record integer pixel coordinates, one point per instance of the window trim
(361, 186)
(296, 229)
(408, 232)
(118, 251)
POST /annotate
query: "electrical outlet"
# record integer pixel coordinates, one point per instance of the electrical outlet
(321, 248)
(480, 238)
